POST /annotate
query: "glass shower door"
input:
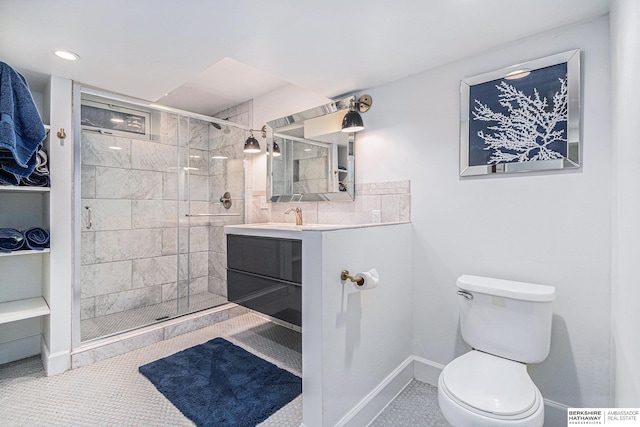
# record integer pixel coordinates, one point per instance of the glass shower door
(152, 245)
(212, 166)
(129, 216)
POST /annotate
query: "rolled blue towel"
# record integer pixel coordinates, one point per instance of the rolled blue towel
(35, 180)
(11, 240)
(36, 238)
(8, 178)
(42, 162)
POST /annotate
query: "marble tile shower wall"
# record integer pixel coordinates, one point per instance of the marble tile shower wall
(227, 175)
(135, 252)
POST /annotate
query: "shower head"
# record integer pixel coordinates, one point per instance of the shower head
(217, 125)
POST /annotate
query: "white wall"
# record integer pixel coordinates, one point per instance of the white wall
(57, 327)
(552, 228)
(625, 58)
(354, 340)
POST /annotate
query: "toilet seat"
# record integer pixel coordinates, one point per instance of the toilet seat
(490, 386)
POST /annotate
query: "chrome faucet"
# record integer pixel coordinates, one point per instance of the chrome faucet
(298, 212)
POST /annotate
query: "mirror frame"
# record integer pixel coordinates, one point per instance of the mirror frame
(299, 118)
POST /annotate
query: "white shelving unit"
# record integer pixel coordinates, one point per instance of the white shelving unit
(24, 278)
(23, 309)
(25, 252)
(36, 286)
(17, 189)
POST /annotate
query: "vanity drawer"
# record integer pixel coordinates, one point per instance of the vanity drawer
(276, 258)
(275, 298)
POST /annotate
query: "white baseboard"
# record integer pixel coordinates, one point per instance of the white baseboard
(555, 414)
(19, 349)
(373, 403)
(54, 363)
(426, 371)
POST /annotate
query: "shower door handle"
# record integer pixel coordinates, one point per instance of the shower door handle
(89, 224)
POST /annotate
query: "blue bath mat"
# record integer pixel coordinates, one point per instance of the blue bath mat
(220, 384)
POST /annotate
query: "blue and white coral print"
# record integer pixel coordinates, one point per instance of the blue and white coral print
(520, 120)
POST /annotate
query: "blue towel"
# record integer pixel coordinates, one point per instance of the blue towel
(38, 178)
(35, 180)
(8, 178)
(36, 238)
(11, 240)
(42, 162)
(21, 128)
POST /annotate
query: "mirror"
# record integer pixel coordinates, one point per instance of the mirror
(316, 160)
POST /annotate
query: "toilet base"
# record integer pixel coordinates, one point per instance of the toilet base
(459, 416)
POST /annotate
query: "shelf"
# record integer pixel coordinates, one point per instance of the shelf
(19, 189)
(25, 252)
(23, 309)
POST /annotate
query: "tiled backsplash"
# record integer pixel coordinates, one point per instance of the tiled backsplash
(390, 200)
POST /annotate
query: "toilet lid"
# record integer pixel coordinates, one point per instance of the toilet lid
(490, 383)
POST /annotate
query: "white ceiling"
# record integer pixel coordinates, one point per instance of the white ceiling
(208, 55)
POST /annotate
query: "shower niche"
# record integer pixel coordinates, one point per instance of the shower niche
(151, 241)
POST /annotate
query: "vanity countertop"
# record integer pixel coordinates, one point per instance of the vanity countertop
(288, 230)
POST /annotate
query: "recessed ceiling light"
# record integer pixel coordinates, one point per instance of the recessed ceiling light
(65, 54)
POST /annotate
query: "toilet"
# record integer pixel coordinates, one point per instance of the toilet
(507, 324)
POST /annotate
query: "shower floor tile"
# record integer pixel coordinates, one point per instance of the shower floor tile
(126, 320)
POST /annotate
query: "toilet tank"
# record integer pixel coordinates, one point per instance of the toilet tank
(506, 318)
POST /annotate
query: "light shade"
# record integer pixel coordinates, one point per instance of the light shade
(68, 55)
(276, 149)
(352, 122)
(251, 145)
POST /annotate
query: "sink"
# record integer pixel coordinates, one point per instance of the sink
(275, 225)
(290, 226)
(286, 230)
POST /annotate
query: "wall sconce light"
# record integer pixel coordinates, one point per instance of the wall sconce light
(276, 149)
(251, 145)
(352, 121)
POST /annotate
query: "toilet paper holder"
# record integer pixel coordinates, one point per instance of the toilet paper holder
(345, 275)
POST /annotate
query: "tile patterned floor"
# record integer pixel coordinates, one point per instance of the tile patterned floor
(109, 324)
(416, 405)
(114, 393)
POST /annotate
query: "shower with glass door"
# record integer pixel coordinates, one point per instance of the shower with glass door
(150, 199)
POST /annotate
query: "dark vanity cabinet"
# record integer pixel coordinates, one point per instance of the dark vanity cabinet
(265, 275)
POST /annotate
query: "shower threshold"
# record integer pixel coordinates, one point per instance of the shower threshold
(123, 321)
